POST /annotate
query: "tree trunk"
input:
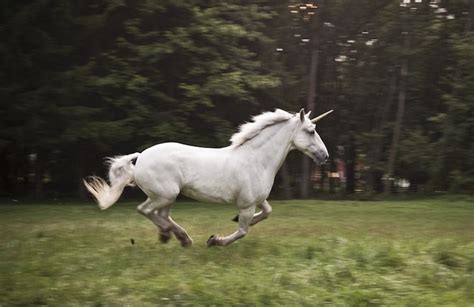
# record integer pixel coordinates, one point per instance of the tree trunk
(350, 167)
(373, 181)
(332, 169)
(440, 176)
(285, 176)
(322, 169)
(310, 102)
(39, 174)
(399, 117)
(80, 173)
(5, 172)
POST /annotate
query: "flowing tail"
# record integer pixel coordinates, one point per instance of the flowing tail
(120, 175)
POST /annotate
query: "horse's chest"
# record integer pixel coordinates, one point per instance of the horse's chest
(256, 189)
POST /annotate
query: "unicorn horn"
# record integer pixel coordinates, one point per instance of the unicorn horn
(320, 116)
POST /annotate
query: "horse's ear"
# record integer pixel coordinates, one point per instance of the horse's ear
(302, 115)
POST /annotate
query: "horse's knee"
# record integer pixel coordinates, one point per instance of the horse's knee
(266, 214)
(266, 210)
(246, 216)
(144, 209)
(149, 206)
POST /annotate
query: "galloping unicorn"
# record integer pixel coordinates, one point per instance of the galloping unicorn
(242, 173)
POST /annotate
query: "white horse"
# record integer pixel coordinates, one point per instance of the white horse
(242, 173)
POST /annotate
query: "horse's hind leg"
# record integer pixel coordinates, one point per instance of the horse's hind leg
(150, 209)
(245, 218)
(259, 216)
(177, 230)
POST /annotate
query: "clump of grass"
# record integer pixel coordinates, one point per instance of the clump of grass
(362, 297)
(311, 251)
(386, 256)
(443, 252)
(357, 252)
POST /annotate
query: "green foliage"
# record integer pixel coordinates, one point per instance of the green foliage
(456, 145)
(84, 80)
(120, 76)
(416, 157)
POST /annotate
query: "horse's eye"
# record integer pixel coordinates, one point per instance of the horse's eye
(312, 132)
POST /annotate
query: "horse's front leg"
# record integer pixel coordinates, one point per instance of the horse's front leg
(245, 218)
(265, 212)
(180, 233)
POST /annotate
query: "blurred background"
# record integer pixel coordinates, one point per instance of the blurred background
(82, 80)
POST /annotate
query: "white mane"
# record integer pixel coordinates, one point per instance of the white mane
(259, 122)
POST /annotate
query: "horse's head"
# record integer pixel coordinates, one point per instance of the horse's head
(307, 140)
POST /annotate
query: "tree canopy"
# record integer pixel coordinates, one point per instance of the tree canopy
(81, 80)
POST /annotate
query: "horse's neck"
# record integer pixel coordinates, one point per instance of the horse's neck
(271, 147)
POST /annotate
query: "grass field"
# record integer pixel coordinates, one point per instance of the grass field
(308, 253)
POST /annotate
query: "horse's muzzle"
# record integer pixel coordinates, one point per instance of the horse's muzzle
(320, 158)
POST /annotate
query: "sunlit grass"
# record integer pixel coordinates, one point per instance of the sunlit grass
(307, 253)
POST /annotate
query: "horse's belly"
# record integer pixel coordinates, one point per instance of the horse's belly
(215, 195)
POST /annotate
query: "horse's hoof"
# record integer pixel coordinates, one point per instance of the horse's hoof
(186, 243)
(236, 218)
(165, 237)
(212, 241)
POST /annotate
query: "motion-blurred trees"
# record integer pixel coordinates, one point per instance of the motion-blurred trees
(98, 78)
(455, 167)
(84, 80)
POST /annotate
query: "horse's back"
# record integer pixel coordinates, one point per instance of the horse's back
(169, 167)
(176, 152)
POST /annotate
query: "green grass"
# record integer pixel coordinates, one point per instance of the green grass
(345, 253)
